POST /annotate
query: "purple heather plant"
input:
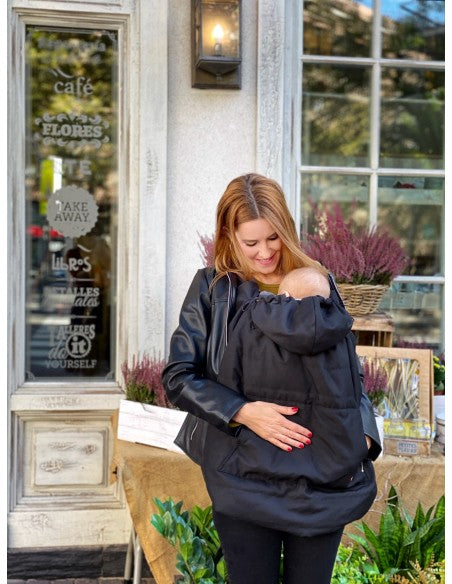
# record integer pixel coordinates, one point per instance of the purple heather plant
(355, 255)
(375, 383)
(206, 245)
(143, 380)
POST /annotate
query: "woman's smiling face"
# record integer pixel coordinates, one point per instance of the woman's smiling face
(261, 246)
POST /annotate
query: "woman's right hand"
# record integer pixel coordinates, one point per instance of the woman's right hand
(268, 421)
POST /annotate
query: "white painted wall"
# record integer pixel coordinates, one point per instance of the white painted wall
(211, 140)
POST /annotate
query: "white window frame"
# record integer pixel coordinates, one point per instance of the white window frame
(373, 171)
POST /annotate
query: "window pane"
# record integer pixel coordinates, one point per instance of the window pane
(335, 27)
(413, 29)
(350, 191)
(416, 310)
(413, 209)
(71, 196)
(335, 116)
(412, 118)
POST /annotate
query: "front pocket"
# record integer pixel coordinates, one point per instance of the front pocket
(256, 458)
(347, 482)
(219, 447)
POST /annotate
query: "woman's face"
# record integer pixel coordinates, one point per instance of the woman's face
(261, 247)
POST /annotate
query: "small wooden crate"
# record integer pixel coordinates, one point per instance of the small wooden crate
(375, 329)
(147, 424)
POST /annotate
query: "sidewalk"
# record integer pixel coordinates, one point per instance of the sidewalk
(81, 581)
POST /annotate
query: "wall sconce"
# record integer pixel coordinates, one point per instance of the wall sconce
(216, 39)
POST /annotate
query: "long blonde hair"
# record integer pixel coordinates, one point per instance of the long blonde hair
(248, 197)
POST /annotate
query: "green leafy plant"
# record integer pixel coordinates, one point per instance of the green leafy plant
(401, 540)
(200, 559)
(402, 551)
(351, 566)
(435, 573)
(439, 374)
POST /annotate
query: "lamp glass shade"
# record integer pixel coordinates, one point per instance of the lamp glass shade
(220, 29)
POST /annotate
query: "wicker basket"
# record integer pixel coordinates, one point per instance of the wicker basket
(361, 299)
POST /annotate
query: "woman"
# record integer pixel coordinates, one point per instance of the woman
(255, 241)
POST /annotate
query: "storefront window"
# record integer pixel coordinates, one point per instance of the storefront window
(335, 119)
(417, 310)
(412, 207)
(413, 29)
(412, 118)
(350, 191)
(373, 103)
(335, 27)
(71, 202)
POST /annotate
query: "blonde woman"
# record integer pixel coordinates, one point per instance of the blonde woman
(256, 515)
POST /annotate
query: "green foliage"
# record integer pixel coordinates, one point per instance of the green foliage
(349, 566)
(403, 550)
(199, 558)
(401, 540)
(439, 374)
(433, 574)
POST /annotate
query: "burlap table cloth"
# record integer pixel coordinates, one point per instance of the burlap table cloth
(149, 472)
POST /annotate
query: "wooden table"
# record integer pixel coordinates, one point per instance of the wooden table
(148, 472)
(376, 329)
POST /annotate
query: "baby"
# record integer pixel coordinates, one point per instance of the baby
(303, 282)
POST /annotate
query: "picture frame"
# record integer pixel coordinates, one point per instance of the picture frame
(408, 420)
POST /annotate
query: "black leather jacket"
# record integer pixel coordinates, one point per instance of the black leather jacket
(196, 349)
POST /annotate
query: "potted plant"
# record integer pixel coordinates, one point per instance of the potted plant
(376, 386)
(363, 261)
(145, 415)
(404, 546)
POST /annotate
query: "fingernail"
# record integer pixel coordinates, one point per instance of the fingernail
(310, 435)
(295, 409)
(301, 445)
(289, 449)
(308, 441)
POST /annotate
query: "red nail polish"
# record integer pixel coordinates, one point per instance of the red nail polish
(301, 445)
(295, 409)
(289, 449)
(310, 435)
(308, 441)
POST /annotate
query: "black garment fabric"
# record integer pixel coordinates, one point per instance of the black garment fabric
(196, 349)
(294, 353)
(253, 553)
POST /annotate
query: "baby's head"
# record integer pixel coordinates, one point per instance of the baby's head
(303, 282)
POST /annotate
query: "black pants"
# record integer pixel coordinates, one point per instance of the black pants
(253, 553)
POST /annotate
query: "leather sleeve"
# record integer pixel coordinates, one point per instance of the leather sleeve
(185, 376)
